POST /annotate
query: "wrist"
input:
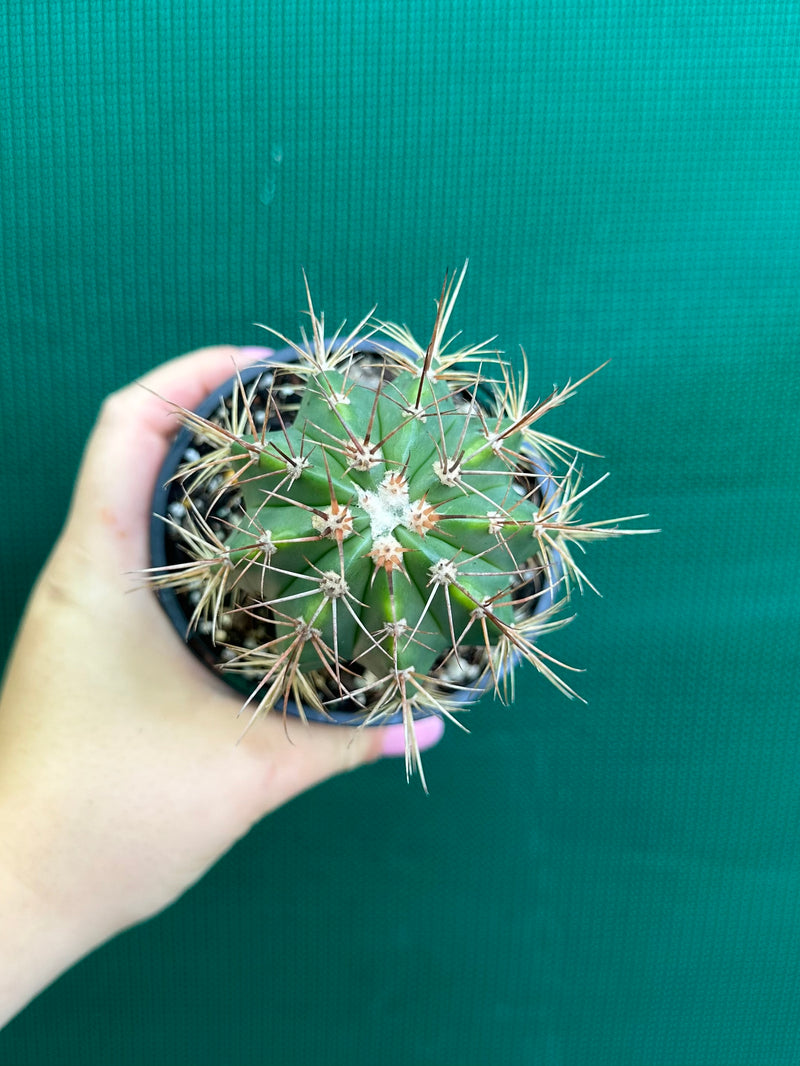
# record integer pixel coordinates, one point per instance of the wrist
(49, 918)
(41, 935)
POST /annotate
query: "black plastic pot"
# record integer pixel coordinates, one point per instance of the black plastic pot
(164, 550)
(166, 496)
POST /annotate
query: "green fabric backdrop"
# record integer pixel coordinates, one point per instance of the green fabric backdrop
(610, 884)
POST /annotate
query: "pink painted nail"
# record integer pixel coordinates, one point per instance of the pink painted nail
(429, 732)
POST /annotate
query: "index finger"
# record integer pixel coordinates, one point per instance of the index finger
(131, 438)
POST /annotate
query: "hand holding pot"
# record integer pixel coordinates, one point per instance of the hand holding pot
(121, 780)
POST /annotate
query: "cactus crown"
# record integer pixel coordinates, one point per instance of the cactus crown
(395, 525)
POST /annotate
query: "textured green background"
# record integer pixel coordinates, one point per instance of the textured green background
(611, 884)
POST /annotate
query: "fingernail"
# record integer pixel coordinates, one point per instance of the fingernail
(429, 732)
(251, 354)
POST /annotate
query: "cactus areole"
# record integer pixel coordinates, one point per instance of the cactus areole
(365, 530)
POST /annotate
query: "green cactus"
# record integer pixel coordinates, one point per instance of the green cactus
(400, 532)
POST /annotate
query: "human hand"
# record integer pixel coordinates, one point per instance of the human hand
(121, 780)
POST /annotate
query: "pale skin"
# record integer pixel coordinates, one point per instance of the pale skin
(121, 779)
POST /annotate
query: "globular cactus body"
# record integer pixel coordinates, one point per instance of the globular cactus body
(406, 549)
(397, 528)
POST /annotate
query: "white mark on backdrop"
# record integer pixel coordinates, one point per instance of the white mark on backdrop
(270, 184)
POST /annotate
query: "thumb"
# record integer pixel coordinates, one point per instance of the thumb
(315, 752)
